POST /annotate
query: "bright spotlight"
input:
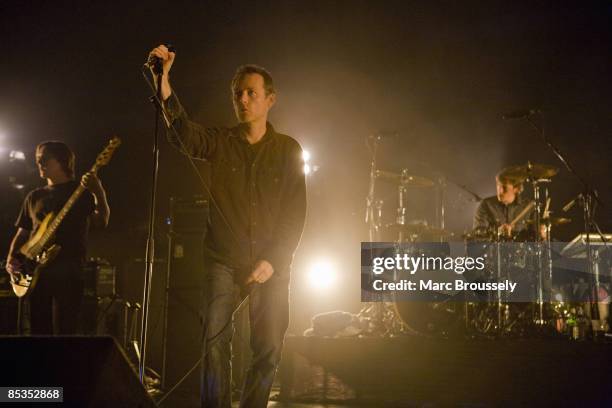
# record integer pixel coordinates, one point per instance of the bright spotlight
(16, 155)
(322, 274)
(307, 168)
(305, 155)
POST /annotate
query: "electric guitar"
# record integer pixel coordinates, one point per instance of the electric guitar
(41, 249)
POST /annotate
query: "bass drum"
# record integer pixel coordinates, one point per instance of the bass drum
(445, 317)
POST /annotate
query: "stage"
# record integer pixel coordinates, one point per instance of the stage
(417, 371)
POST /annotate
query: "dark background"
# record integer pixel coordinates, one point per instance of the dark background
(440, 74)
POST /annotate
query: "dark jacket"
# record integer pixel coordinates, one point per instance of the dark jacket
(258, 204)
(492, 213)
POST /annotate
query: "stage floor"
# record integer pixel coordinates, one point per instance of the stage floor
(297, 405)
(416, 371)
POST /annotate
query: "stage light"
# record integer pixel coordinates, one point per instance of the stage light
(305, 156)
(322, 274)
(16, 155)
(307, 169)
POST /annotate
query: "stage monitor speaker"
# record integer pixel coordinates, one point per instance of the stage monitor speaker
(93, 371)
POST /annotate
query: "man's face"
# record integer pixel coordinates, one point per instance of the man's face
(48, 166)
(506, 192)
(251, 103)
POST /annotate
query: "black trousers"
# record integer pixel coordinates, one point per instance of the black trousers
(268, 318)
(56, 300)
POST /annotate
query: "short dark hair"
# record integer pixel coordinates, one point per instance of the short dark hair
(506, 177)
(254, 69)
(60, 152)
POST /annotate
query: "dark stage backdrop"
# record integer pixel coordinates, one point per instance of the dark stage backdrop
(440, 74)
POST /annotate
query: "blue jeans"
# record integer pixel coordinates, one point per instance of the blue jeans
(268, 318)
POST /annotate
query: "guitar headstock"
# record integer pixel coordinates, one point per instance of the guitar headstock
(104, 157)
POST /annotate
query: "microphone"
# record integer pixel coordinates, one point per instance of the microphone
(520, 114)
(155, 63)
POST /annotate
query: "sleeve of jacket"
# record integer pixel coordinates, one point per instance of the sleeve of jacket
(482, 218)
(292, 217)
(190, 138)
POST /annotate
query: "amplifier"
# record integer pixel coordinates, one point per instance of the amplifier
(188, 215)
(99, 278)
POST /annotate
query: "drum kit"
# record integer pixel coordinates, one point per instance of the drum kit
(451, 315)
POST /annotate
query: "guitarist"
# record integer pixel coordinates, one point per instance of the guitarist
(55, 301)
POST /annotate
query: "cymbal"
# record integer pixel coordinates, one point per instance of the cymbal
(405, 179)
(418, 229)
(530, 170)
(554, 221)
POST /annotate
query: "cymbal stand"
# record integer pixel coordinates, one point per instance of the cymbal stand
(548, 244)
(500, 303)
(539, 318)
(374, 311)
(372, 218)
(441, 201)
(588, 199)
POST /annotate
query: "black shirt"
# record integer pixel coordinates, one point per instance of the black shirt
(258, 204)
(71, 235)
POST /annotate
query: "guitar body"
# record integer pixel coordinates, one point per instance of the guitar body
(36, 254)
(32, 268)
(32, 248)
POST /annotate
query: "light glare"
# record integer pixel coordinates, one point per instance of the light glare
(322, 275)
(17, 155)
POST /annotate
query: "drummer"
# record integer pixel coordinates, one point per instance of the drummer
(496, 213)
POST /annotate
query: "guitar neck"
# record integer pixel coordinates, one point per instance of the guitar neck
(102, 159)
(61, 215)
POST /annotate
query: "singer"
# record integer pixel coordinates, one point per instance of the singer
(257, 216)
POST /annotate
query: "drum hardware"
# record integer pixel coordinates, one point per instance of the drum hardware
(380, 317)
(498, 317)
(441, 202)
(539, 176)
(552, 221)
(531, 171)
(383, 318)
(415, 230)
(588, 199)
(405, 178)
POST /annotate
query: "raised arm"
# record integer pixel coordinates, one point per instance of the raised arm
(190, 138)
(101, 212)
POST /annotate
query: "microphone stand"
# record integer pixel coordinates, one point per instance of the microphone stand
(589, 196)
(150, 249)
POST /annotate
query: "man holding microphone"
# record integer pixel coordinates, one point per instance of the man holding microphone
(258, 209)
